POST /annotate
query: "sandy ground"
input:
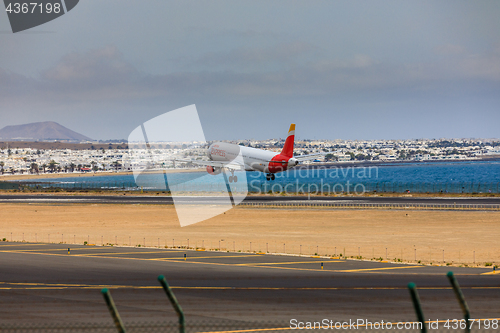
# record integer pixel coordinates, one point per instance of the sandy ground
(465, 237)
(7, 177)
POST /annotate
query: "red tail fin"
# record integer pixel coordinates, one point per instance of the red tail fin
(288, 147)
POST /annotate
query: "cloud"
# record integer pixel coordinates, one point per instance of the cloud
(485, 67)
(101, 84)
(12, 84)
(252, 57)
(356, 62)
(103, 76)
(97, 67)
(449, 49)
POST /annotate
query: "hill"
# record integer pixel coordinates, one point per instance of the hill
(47, 130)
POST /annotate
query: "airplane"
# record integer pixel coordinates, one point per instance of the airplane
(234, 157)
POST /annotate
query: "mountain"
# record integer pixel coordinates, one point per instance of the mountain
(47, 130)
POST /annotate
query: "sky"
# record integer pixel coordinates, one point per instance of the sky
(354, 70)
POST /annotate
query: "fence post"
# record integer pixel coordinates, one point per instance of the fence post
(112, 309)
(174, 302)
(460, 298)
(416, 303)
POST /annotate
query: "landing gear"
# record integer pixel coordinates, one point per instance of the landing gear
(233, 178)
(270, 176)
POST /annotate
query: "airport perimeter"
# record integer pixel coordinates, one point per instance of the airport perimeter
(275, 188)
(268, 265)
(46, 288)
(426, 233)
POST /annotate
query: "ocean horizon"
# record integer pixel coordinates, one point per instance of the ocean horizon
(406, 174)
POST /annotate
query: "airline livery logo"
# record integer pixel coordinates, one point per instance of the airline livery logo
(27, 14)
(159, 145)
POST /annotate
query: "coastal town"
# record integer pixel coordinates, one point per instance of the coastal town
(124, 157)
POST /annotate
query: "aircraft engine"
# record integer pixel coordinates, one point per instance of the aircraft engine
(213, 171)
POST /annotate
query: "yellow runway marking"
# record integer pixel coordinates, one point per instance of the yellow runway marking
(285, 263)
(181, 260)
(252, 330)
(302, 269)
(169, 259)
(55, 249)
(65, 254)
(42, 253)
(35, 286)
(39, 250)
(380, 270)
(263, 266)
(394, 324)
(92, 248)
(230, 256)
(41, 284)
(323, 288)
(491, 273)
(107, 253)
(21, 244)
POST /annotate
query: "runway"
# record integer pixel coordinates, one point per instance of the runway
(487, 202)
(43, 283)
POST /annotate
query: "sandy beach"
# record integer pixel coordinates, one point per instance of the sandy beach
(465, 237)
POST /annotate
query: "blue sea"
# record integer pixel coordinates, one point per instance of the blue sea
(456, 177)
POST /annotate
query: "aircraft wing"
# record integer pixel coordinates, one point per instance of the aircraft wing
(311, 156)
(228, 165)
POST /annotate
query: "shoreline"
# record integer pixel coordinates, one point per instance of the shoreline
(327, 165)
(85, 174)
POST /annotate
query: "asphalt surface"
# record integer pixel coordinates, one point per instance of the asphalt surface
(159, 200)
(42, 283)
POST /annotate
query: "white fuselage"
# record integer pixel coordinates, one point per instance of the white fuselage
(253, 159)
